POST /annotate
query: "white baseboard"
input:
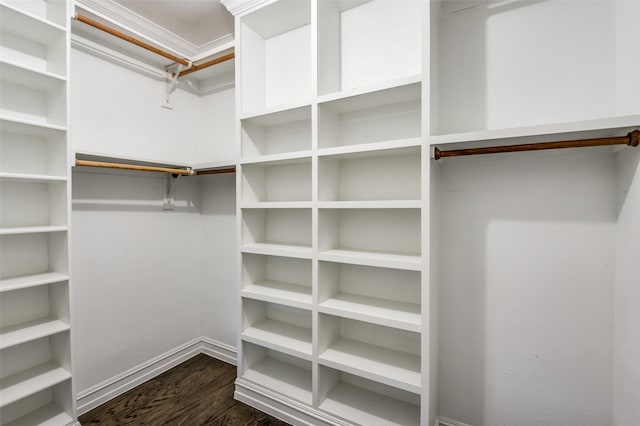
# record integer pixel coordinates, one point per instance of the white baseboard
(283, 408)
(219, 350)
(444, 421)
(115, 386)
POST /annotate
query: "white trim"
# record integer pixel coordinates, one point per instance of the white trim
(283, 408)
(137, 24)
(102, 392)
(219, 350)
(444, 421)
(241, 7)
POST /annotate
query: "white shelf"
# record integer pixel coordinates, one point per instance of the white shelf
(387, 366)
(373, 88)
(212, 165)
(277, 114)
(277, 135)
(277, 205)
(30, 77)
(49, 415)
(384, 312)
(286, 379)
(275, 158)
(373, 258)
(286, 338)
(364, 407)
(382, 204)
(126, 159)
(369, 149)
(32, 230)
(275, 249)
(295, 295)
(543, 133)
(28, 281)
(30, 127)
(18, 177)
(23, 384)
(33, 330)
(28, 26)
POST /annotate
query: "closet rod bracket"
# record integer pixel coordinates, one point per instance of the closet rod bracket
(168, 200)
(171, 84)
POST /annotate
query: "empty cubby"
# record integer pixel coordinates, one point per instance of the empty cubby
(277, 279)
(288, 180)
(277, 133)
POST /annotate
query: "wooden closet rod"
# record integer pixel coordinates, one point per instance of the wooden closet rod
(214, 61)
(87, 163)
(632, 139)
(130, 39)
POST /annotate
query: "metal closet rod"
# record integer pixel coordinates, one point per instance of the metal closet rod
(147, 46)
(174, 171)
(631, 139)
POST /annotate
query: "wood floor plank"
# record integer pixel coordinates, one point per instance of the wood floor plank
(197, 392)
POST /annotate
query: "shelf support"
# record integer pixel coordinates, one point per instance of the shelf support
(168, 200)
(632, 139)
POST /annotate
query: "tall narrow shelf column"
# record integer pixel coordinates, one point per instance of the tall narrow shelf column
(35, 327)
(330, 204)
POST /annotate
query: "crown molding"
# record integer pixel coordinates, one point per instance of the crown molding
(142, 27)
(241, 7)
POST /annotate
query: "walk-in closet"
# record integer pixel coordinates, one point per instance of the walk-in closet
(350, 212)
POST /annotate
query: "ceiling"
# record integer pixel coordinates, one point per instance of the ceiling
(198, 21)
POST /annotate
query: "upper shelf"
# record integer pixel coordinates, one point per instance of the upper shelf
(275, 55)
(365, 43)
(29, 127)
(495, 69)
(606, 127)
(27, 25)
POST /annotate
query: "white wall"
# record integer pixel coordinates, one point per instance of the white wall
(117, 111)
(220, 290)
(136, 271)
(527, 256)
(218, 121)
(146, 281)
(626, 355)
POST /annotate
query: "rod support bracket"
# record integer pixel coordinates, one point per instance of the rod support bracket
(634, 138)
(168, 199)
(171, 84)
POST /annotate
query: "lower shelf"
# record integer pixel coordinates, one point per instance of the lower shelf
(388, 366)
(25, 383)
(289, 339)
(379, 311)
(50, 415)
(286, 379)
(373, 258)
(27, 281)
(22, 333)
(277, 249)
(364, 407)
(280, 292)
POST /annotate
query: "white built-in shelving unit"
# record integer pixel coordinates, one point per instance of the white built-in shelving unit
(347, 224)
(330, 204)
(35, 347)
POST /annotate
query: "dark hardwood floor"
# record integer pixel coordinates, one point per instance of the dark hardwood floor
(197, 392)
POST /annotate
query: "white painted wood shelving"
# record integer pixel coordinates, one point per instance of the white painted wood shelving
(340, 104)
(330, 201)
(35, 347)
